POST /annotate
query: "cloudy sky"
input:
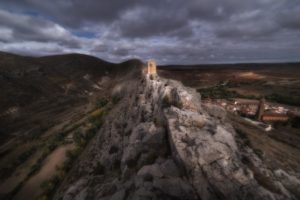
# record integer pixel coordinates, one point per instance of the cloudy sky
(170, 31)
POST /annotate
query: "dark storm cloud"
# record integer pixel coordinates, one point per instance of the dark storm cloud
(171, 31)
(22, 28)
(121, 51)
(253, 24)
(290, 17)
(74, 13)
(148, 22)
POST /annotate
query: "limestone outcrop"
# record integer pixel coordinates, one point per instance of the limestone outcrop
(159, 142)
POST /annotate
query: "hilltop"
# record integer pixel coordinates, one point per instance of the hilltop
(77, 127)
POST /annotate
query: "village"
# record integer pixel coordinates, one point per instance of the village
(259, 112)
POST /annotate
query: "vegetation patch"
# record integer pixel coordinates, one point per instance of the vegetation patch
(23, 157)
(223, 92)
(102, 102)
(81, 137)
(284, 99)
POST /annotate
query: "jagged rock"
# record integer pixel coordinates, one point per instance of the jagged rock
(120, 195)
(142, 194)
(76, 191)
(175, 188)
(153, 170)
(290, 182)
(216, 111)
(170, 169)
(168, 146)
(131, 155)
(186, 117)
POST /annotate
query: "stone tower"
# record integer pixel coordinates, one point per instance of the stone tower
(151, 67)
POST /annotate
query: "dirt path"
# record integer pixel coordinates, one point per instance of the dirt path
(32, 189)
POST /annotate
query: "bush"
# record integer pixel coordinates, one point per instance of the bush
(72, 154)
(116, 99)
(34, 168)
(290, 100)
(79, 138)
(25, 155)
(102, 102)
(49, 186)
(59, 137)
(221, 92)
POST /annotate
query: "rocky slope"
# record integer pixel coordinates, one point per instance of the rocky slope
(159, 142)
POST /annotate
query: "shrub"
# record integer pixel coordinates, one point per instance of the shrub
(72, 154)
(78, 138)
(220, 92)
(49, 186)
(25, 155)
(102, 102)
(288, 99)
(116, 99)
(59, 137)
(34, 168)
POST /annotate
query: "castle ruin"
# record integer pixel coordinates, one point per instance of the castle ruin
(151, 67)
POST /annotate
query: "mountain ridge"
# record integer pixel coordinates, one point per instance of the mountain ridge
(161, 142)
(158, 140)
(30, 83)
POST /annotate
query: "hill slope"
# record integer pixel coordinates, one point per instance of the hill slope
(87, 129)
(47, 86)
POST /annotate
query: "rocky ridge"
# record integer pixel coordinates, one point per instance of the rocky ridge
(159, 142)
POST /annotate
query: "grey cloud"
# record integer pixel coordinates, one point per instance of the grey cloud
(253, 24)
(121, 52)
(26, 28)
(145, 22)
(290, 17)
(32, 48)
(76, 12)
(171, 31)
(247, 31)
(99, 48)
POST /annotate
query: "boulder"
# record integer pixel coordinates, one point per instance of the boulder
(175, 188)
(153, 170)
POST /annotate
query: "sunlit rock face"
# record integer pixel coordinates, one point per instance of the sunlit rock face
(159, 142)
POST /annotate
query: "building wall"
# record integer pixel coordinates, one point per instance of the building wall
(275, 118)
